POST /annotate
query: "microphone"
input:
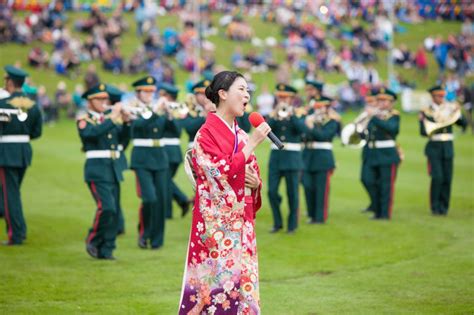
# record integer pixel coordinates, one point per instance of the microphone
(255, 120)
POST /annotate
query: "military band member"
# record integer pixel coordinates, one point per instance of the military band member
(313, 90)
(172, 142)
(439, 149)
(20, 122)
(322, 125)
(370, 102)
(200, 106)
(287, 162)
(382, 154)
(100, 130)
(151, 165)
(115, 96)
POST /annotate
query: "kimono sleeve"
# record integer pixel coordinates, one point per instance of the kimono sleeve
(218, 164)
(257, 193)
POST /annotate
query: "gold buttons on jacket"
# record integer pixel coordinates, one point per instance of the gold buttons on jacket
(109, 136)
(112, 146)
(155, 129)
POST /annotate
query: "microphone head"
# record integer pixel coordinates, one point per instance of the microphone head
(256, 119)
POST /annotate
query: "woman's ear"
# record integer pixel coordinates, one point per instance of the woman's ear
(222, 94)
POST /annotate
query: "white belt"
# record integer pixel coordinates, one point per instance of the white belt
(170, 141)
(120, 147)
(289, 146)
(15, 139)
(319, 145)
(102, 154)
(191, 145)
(382, 144)
(147, 143)
(442, 137)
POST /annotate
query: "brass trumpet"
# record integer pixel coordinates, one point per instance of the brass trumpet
(6, 113)
(177, 110)
(283, 111)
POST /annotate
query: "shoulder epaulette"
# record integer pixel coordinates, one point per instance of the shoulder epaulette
(21, 102)
(86, 118)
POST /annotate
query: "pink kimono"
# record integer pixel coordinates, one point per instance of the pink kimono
(221, 273)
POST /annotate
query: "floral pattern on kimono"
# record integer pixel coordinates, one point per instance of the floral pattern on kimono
(221, 274)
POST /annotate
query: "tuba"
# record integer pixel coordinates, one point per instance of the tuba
(445, 116)
(6, 114)
(350, 134)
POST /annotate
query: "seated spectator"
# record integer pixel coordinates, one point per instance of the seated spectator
(238, 30)
(265, 101)
(44, 102)
(62, 98)
(38, 58)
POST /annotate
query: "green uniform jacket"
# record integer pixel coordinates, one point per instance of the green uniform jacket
(320, 159)
(380, 130)
(244, 122)
(101, 136)
(439, 149)
(174, 151)
(192, 125)
(19, 154)
(124, 141)
(151, 158)
(289, 130)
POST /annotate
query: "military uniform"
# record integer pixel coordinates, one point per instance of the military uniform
(383, 158)
(244, 122)
(317, 87)
(16, 153)
(440, 153)
(285, 163)
(365, 177)
(319, 161)
(172, 142)
(194, 121)
(100, 137)
(151, 165)
(115, 96)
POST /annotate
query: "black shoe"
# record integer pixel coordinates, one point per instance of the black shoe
(92, 251)
(142, 243)
(275, 229)
(121, 232)
(185, 208)
(111, 257)
(10, 243)
(155, 247)
(367, 210)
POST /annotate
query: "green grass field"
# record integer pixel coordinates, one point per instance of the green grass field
(416, 263)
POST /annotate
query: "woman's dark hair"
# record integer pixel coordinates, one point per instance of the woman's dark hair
(222, 81)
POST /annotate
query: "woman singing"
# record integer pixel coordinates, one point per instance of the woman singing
(221, 273)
